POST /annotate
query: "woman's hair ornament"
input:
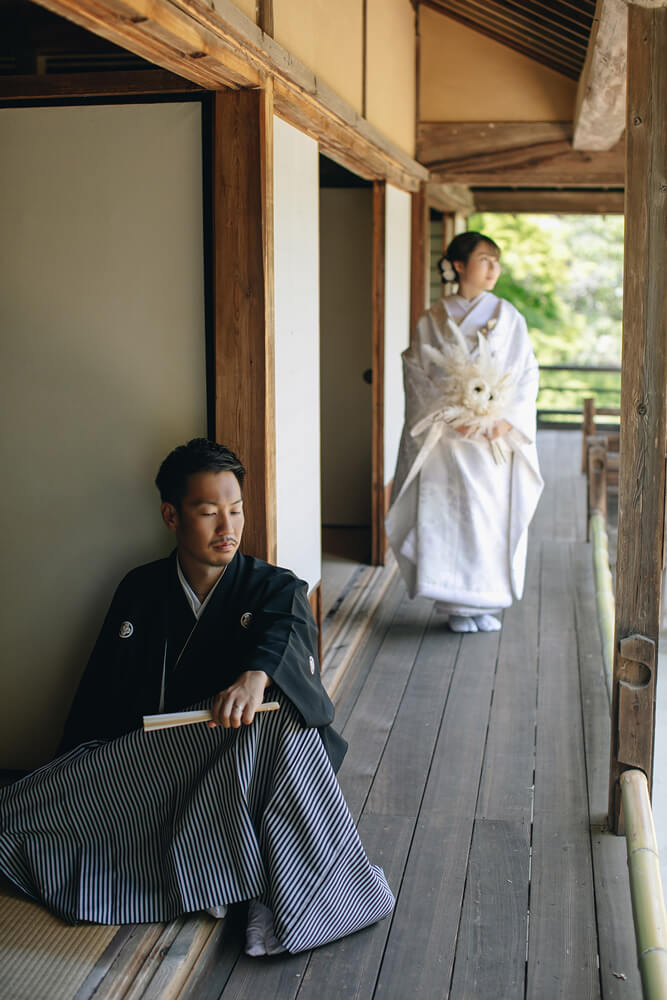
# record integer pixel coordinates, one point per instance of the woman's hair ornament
(447, 270)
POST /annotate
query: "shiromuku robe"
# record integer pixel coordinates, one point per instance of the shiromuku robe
(129, 826)
(458, 521)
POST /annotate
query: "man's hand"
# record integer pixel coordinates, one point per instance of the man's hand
(498, 430)
(238, 703)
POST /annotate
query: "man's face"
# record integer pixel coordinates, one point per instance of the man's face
(209, 526)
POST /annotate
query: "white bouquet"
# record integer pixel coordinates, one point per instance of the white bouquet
(475, 392)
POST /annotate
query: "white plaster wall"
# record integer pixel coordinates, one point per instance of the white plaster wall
(103, 372)
(397, 318)
(296, 220)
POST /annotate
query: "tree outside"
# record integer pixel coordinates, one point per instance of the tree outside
(565, 274)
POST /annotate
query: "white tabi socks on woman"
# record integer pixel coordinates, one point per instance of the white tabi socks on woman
(462, 623)
(488, 623)
(474, 623)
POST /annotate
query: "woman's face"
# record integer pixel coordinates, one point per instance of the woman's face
(480, 273)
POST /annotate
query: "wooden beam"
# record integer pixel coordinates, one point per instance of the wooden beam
(450, 198)
(165, 35)
(107, 84)
(584, 201)
(643, 410)
(419, 257)
(378, 533)
(527, 154)
(243, 301)
(599, 117)
(215, 44)
(347, 140)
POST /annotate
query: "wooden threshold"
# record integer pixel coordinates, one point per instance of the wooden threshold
(348, 624)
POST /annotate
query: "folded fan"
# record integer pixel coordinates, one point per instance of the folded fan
(189, 718)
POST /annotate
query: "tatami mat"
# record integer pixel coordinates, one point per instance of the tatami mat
(42, 958)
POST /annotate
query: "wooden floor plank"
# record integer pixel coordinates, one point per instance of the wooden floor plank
(368, 728)
(432, 889)
(352, 685)
(507, 778)
(401, 777)
(618, 958)
(491, 948)
(347, 969)
(562, 953)
(219, 956)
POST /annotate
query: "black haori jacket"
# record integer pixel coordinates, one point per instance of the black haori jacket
(258, 618)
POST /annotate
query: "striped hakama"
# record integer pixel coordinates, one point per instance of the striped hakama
(152, 825)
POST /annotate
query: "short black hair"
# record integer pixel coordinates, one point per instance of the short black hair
(462, 246)
(198, 455)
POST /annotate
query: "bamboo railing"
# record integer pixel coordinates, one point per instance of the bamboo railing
(604, 592)
(648, 906)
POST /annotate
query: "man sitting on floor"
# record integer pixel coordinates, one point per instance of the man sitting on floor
(127, 826)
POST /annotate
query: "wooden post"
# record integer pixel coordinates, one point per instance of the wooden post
(597, 480)
(242, 151)
(588, 428)
(642, 472)
(420, 257)
(448, 229)
(378, 534)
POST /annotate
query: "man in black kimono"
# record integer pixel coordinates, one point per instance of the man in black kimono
(127, 826)
(205, 621)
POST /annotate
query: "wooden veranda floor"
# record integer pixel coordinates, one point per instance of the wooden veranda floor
(477, 772)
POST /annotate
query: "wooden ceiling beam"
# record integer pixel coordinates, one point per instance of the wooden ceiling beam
(522, 154)
(580, 201)
(44, 86)
(599, 118)
(450, 198)
(161, 33)
(216, 45)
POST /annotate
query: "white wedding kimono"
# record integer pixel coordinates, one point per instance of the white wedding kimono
(458, 522)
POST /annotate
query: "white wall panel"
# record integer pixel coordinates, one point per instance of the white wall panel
(296, 201)
(103, 372)
(397, 318)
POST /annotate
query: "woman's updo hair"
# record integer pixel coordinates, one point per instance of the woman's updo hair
(461, 248)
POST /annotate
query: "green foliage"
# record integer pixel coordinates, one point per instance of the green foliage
(565, 274)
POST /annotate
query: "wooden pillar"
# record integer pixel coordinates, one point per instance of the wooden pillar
(242, 177)
(642, 467)
(420, 257)
(378, 534)
(448, 229)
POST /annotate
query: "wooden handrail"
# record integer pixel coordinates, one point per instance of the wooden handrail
(648, 904)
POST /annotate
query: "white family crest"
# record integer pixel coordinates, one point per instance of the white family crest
(246, 619)
(126, 630)
(311, 664)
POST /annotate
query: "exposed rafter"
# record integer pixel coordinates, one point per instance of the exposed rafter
(553, 33)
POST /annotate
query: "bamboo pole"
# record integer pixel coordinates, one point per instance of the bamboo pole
(648, 905)
(604, 592)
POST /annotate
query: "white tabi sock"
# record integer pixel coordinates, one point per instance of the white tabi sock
(218, 912)
(462, 623)
(260, 938)
(488, 623)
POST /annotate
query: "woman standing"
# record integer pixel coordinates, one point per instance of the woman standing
(461, 505)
